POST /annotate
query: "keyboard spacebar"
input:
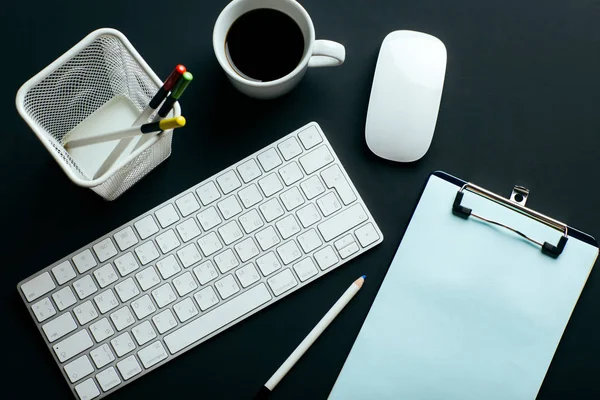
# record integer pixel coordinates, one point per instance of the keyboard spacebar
(217, 318)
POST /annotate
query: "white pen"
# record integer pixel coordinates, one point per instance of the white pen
(310, 338)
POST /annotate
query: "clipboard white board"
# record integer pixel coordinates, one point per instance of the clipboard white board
(467, 311)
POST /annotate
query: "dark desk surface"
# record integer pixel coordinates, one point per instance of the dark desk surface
(520, 105)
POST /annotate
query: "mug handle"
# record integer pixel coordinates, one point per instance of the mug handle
(327, 54)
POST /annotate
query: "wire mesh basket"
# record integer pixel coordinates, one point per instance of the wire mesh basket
(100, 68)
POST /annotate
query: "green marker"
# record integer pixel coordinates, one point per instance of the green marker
(176, 93)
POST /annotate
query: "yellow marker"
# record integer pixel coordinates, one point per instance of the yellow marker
(152, 127)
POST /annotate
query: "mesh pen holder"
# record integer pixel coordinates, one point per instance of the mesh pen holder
(102, 66)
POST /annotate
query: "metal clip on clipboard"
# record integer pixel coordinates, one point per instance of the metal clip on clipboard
(516, 202)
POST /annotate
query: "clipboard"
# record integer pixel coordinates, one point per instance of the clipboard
(475, 301)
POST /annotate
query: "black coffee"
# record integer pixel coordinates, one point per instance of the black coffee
(265, 44)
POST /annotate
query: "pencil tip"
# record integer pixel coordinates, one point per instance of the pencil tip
(364, 277)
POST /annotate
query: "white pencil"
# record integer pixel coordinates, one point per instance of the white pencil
(145, 129)
(310, 338)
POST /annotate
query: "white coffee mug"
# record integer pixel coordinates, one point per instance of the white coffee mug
(317, 53)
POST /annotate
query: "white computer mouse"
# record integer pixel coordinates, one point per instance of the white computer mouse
(406, 95)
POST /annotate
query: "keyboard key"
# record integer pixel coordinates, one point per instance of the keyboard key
(210, 244)
(306, 269)
(333, 178)
(268, 263)
(164, 295)
(269, 159)
(326, 258)
(209, 218)
(229, 232)
(366, 235)
(38, 286)
(129, 367)
(185, 283)
(208, 193)
(249, 171)
(43, 309)
(309, 241)
(102, 355)
(271, 210)
(229, 207)
(226, 261)
(147, 278)
(188, 230)
(143, 307)
(343, 242)
(228, 182)
(342, 222)
(291, 173)
(146, 227)
(147, 253)
(167, 216)
(85, 312)
(247, 275)
(126, 264)
(308, 215)
(84, 261)
(289, 148)
(122, 318)
(79, 368)
(329, 204)
(312, 187)
(289, 252)
(59, 327)
(205, 272)
(87, 390)
(282, 282)
(73, 345)
(106, 275)
(152, 354)
(123, 344)
(105, 250)
(108, 379)
(101, 330)
(167, 241)
(316, 159)
(267, 238)
(218, 318)
(187, 204)
(227, 287)
(63, 272)
(206, 298)
(185, 309)
(106, 301)
(250, 196)
(349, 250)
(270, 185)
(168, 266)
(126, 238)
(310, 137)
(188, 255)
(287, 227)
(127, 289)
(143, 333)
(164, 321)
(251, 221)
(246, 249)
(292, 198)
(85, 287)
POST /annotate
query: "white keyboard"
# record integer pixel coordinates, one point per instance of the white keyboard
(199, 263)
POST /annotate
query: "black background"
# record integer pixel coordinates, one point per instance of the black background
(520, 105)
